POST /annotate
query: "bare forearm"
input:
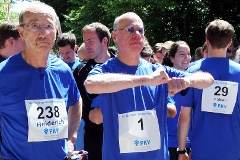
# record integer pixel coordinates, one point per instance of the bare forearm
(183, 127)
(107, 83)
(201, 80)
(74, 117)
(110, 82)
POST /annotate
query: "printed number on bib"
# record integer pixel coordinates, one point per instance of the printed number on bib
(50, 112)
(47, 119)
(139, 131)
(220, 97)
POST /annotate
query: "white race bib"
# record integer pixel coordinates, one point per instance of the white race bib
(47, 119)
(220, 97)
(139, 131)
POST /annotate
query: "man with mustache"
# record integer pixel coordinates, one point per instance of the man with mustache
(39, 99)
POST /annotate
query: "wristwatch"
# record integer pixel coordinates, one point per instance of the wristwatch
(181, 151)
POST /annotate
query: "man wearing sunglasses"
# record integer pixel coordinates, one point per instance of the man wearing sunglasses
(133, 96)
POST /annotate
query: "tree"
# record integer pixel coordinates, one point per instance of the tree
(164, 20)
(4, 7)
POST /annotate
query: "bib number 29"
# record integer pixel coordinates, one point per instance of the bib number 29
(221, 91)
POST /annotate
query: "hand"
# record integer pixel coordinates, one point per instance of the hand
(95, 116)
(70, 148)
(158, 77)
(175, 85)
(183, 157)
(172, 110)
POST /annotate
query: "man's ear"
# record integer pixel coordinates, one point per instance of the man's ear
(105, 41)
(229, 44)
(75, 48)
(207, 42)
(20, 31)
(114, 36)
(11, 41)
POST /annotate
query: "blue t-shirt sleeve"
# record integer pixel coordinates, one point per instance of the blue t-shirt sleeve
(172, 72)
(95, 102)
(187, 99)
(170, 100)
(98, 69)
(73, 92)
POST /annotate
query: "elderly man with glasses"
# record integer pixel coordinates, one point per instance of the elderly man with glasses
(39, 99)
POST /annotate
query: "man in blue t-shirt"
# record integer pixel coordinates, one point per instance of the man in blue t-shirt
(133, 96)
(39, 99)
(66, 43)
(214, 111)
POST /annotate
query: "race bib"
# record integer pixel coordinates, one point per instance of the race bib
(47, 119)
(139, 131)
(220, 97)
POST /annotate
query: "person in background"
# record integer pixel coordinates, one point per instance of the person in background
(82, 53)
(66, 43)
(229, 54)
(198, 54)
(157, 50)
(10, 40)
(238, 55)
(204, 52)
(166, 47)
(96, 37)
(160, 49)
(40, 103)
(233, 47)
(213, 111)
(133, 95)
(147, 51)
(179, 58)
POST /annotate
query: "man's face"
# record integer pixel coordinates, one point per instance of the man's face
(159, 56)
(92, 44)
(67, 53)
(129, 35)
(38, 30)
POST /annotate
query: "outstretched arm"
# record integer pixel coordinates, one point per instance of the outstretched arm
(113, 82)
(199, 80)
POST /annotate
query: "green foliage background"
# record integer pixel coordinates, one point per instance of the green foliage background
(3, 12)
(163, 19)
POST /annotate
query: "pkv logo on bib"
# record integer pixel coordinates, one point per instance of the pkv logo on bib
(47, 119)
(220, 97)
(139, 131)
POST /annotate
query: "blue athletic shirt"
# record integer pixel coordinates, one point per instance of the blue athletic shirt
(173, 125)
(19, 82)
(73, 65)
(215, 135)
(133, 99)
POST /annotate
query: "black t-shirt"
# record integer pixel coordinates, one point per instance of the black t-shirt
(2, 58)
(80, 74)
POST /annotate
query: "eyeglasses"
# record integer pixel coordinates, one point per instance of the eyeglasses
(34, 27)
(131, 29)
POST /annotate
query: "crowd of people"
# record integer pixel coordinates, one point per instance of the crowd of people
(128, 102)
